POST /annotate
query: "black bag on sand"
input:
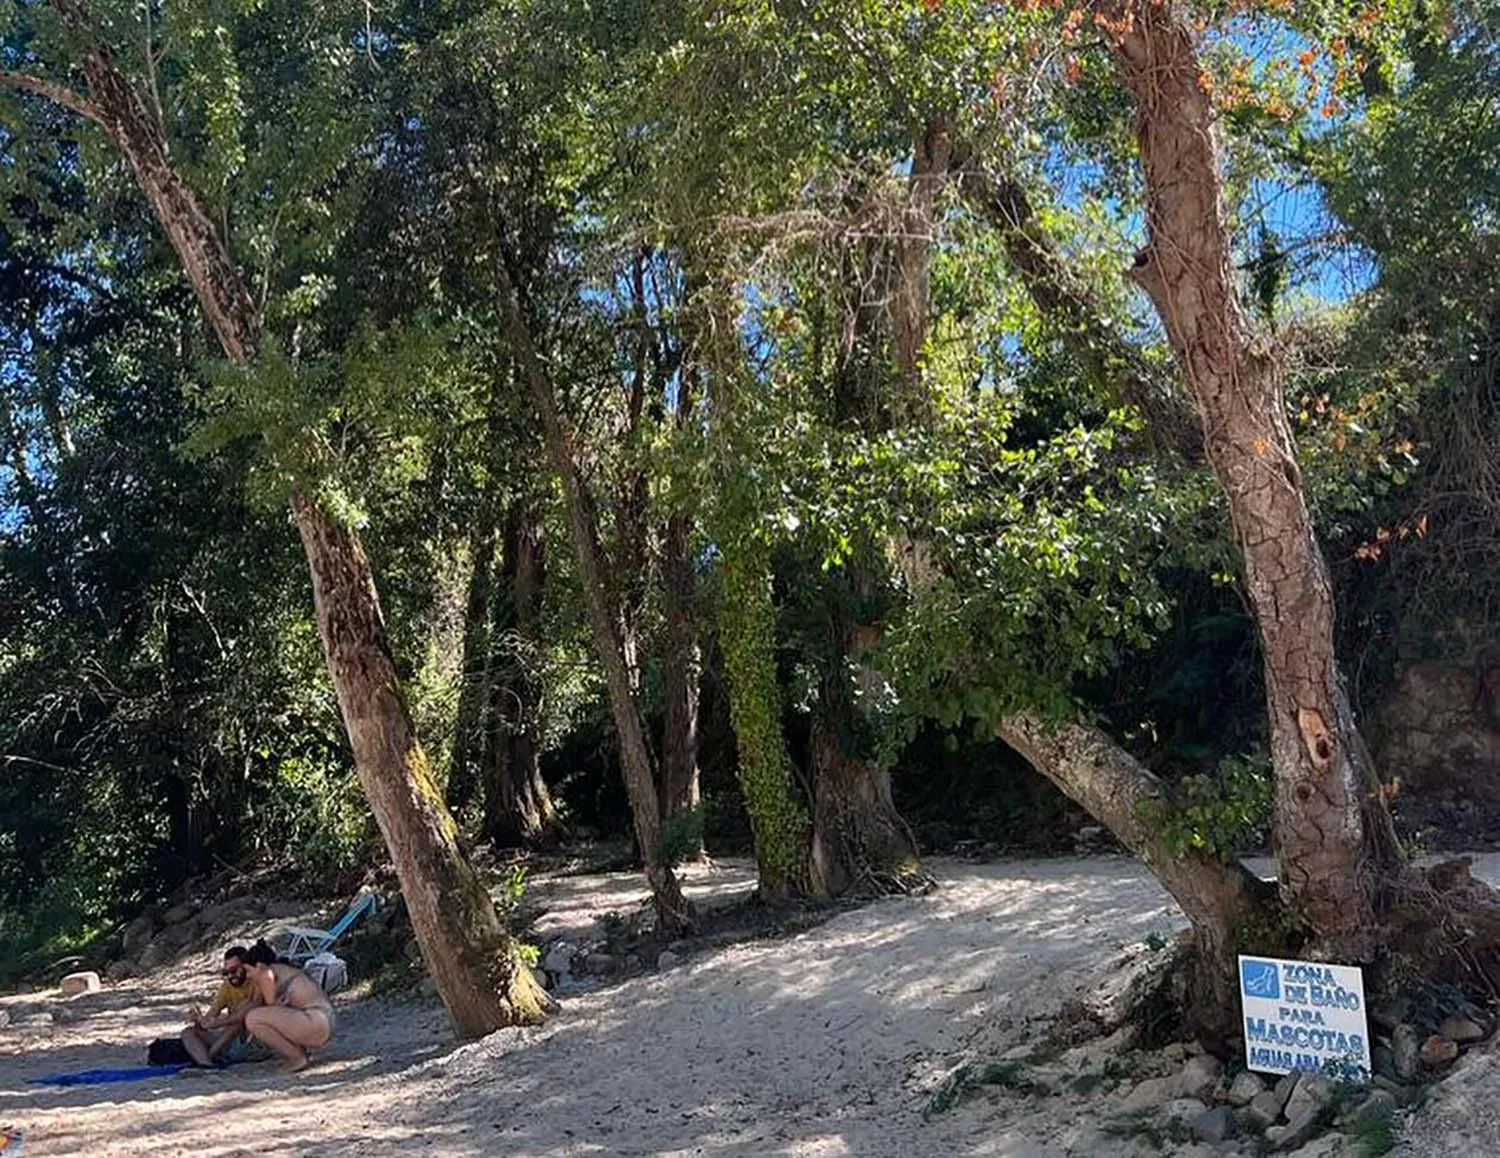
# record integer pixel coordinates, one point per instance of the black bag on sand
(168, 1051)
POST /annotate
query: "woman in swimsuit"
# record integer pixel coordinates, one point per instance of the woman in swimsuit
(294, 1015)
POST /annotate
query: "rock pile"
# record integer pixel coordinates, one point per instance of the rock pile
(159, 936)
(567, 967)
(1280, 1116)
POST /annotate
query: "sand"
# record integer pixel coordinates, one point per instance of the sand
(825, 1044)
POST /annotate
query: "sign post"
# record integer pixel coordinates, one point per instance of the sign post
(1304, 1015)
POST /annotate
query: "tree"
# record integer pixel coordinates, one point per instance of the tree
(478, 971)
(1335, 844)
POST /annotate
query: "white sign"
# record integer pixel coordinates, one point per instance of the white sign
(1303, 1015)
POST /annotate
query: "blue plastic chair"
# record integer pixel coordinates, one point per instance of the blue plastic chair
(304, 943)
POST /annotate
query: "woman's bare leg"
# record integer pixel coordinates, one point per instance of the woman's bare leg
(290, 1032)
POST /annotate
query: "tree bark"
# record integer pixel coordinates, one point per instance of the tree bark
(1334, 839)
(680, 794)
(518, 809)
(482, 981)
(477, 968)
(860, 844)
(474, 679)
(911, 294)
(673, 911)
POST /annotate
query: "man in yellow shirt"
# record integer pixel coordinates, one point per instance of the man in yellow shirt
(212, 1033)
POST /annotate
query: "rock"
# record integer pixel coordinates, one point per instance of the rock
(1184, 1110)
(413, 951)
(1283, 1089)
(1406, 1051)
(1306, 1103)
(1263, 1111)
(85, 982)
(1150, 1093)
(179, 913)
(1402, 1094)
(428, 987)
(1288, 1136)
(559, 958)
(1089, 838)
(36, 1021)
(1438, 1051)
(1328, 1146)
(1382, 1062)
(1200, 1076)
(633, 963)
(1213, 1125)
(1311, 1094)
(601, 964)
(1175, 1052)
(1377, 1106)
(1460, 1029)
(4, 1018)
(176, 937)
(137, 936)
(120, 970)
(1244, 1088)
(666, 959)
(154, 955)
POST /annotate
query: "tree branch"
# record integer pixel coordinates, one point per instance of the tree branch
(56, 93)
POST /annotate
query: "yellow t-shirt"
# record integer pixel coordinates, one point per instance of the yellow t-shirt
(229, 997)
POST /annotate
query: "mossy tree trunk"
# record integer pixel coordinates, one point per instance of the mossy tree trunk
(747, 636)
(470, 956)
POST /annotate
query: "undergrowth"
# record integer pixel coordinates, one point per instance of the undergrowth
(970, 1076)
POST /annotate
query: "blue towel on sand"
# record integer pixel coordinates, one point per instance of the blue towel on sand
(100, 1077)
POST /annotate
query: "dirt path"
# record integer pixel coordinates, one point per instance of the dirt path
(825, 1044)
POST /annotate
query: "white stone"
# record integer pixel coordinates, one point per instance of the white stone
(77, 983)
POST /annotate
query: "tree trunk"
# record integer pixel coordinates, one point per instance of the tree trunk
(747, 634)
(910, 297)
(1225, 904)
(477, 969)
(518, 810)
(1334, 839)
(476, 966)
(860, 844)
(745, 613)
(673, 911)
(475, 678)
(679, 757)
